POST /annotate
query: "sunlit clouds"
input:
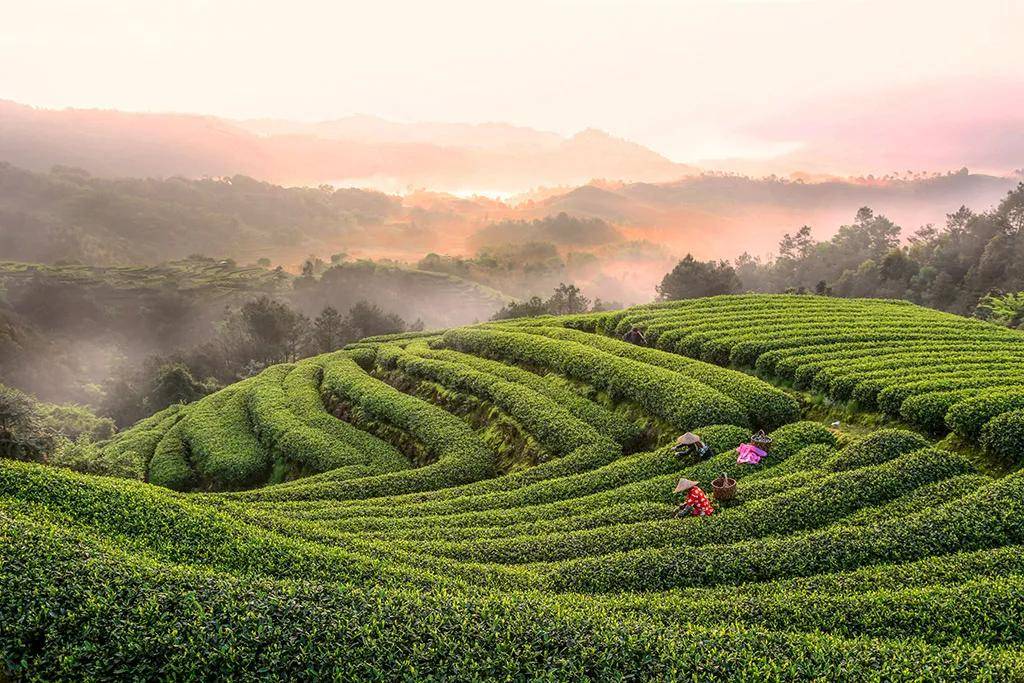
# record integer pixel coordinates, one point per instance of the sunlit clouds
(696, 81)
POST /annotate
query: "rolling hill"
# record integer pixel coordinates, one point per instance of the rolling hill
(496, 501)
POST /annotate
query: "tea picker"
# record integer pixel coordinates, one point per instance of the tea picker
(691, 444)
(696, 503)
(635, 336)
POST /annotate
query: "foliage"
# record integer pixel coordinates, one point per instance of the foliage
(879, 447)
(565, 300)
(84, 455)
(561, 229)
(1002, 309)
(23, 435)
(691, 279)
(919, 363)
(1003, 435)
(964, 267)
(347, 515)
(73, 421)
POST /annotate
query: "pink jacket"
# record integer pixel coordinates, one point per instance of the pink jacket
(749, 454)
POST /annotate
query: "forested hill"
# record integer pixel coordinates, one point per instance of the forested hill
(68, 214)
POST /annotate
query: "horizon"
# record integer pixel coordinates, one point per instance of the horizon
(757, 86)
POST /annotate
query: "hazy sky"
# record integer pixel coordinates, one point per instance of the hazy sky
(690, 79)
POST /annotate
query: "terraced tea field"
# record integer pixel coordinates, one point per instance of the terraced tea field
(495, 502)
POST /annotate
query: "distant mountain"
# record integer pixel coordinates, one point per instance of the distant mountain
(372, 129)
(113, 143)
(592, 148)
(596, 202)
(353, 151)
(68, 214)
(721, 215)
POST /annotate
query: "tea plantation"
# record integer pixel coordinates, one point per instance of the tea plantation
(495, 502)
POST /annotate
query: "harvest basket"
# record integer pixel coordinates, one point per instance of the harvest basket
(761, 440)
(724, 487)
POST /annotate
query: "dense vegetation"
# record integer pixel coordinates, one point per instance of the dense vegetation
(496, 501)
(952, 268)
(112, 337)
(561, 230)
(935, 371)
(69, 214)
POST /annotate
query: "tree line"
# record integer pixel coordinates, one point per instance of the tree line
(262, 332)
(971, 265)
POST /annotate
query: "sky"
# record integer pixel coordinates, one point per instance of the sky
(691, 79)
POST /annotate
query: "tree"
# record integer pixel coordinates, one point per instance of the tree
(564, 300)
(798, 245)
(174, 383)
(1002, 309)
(368, 320)
(22, 434)
(898, 267)
(956, 222)
(276, 329)
(600, 305)
(328, 330)
(692, 278)
(522, 309)
(567, 299)
(136, 390)
(1012, 209)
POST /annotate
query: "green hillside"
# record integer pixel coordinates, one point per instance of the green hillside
(495, 502)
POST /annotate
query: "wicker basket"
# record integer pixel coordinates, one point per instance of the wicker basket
(761, 440)
(724, 487)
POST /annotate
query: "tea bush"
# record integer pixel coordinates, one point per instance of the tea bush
(348, 516)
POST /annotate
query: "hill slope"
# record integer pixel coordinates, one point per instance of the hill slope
(495, 502)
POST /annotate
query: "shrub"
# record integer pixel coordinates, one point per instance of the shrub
(683, 402)
(928, 411)
(1003, 436)
(766, 406)
(967, 417)
(225, 452)
(82, 455)
(169, 466)
(792, 438)
(876, 448)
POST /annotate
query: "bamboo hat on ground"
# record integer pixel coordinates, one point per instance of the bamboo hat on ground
(688, 439)
(684, 485)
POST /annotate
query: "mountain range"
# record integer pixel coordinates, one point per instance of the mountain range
(358, 150)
